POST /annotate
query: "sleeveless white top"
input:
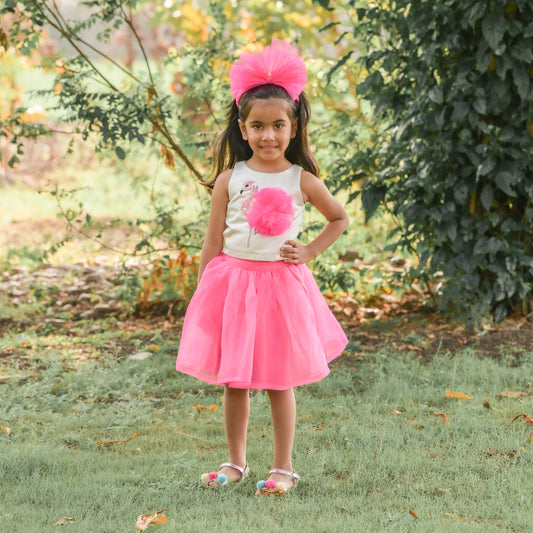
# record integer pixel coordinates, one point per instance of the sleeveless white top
(240, 239)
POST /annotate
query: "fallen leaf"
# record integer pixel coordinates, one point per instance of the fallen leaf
(458, 395)
(415, 424)
(5, 429)
(110, 442)
(487, 405)
(412, 513)
(153, 347)
(56, 388)
(396, 412)
(199, 407)
(64, 520)
(527, 419)
(145, 520)
(513, 394)
(445, 419)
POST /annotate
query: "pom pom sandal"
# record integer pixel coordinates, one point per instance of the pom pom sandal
(270, 486)
(214, 479)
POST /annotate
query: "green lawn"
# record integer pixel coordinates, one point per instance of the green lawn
(373, 451)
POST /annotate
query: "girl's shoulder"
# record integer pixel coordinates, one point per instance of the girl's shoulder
(223, 179)
(309, 183)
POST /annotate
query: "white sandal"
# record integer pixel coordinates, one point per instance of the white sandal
(214, 479)
(271, 487)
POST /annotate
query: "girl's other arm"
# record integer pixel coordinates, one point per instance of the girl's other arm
(214, 239)
(315, 192)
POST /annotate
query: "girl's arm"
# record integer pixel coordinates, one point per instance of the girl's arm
(315, 192)
(214, 239)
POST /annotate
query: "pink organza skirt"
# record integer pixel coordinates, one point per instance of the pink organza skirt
(258, 325)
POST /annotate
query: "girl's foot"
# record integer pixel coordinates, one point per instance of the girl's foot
(228, 473)
(279, 482)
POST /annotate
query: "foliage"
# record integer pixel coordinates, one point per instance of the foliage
(169, 105)
(452, 154)
(170, 283)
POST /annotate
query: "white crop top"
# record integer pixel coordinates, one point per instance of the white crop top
(264, 210)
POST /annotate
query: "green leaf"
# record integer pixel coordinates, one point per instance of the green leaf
(339, 65)
(371, 198)
(523, 51)
(460, 111)
(436, 95)
(451, 231)
(486, 197)
(493, 28)
(485, 168)
(328, 26)
(480, 105)
(121, 154)
(521, 81)
(504, 180)
(361, 13)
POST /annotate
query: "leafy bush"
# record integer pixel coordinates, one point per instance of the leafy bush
(452, 156)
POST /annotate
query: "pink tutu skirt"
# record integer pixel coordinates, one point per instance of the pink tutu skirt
(258, 325)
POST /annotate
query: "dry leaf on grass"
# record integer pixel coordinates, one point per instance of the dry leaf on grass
(5, 429)
(145, 520)
(199, 407)
(64, 520)
(513, 394)
(415, 424)
(527, 419)
(444, 418)
(412, 513)
(458, 395)
(111, 442)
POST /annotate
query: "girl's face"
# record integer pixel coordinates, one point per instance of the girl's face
(268, 128)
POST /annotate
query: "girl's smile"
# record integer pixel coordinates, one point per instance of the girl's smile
(268, 129)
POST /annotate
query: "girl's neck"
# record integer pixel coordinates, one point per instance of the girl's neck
(268, 167)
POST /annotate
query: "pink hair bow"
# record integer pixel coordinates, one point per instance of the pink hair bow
(278, 64)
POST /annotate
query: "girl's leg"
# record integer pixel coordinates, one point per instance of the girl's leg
(236, 413)
(283, 407)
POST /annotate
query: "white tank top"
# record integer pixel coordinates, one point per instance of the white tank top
(260, 242)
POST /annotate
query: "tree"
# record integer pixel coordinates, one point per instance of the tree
(451, 158)
(170, 97)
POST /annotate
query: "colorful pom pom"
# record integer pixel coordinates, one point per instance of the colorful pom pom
(204, 477)
(281, 486)
(212, 475)
(270, 484)
(222, 478)
(271, 211)
(261, 484)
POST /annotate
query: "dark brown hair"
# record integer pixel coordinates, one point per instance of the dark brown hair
(232, 148)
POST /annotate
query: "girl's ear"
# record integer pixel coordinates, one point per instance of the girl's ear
(243, 130)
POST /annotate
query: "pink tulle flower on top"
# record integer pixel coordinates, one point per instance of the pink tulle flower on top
(271, 211)
(278, 63)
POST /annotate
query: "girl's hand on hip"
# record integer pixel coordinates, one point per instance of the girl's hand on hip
(294, 252)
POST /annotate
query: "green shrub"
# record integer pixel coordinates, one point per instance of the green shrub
(452, 158)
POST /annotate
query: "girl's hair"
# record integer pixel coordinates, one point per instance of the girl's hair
(232, 148)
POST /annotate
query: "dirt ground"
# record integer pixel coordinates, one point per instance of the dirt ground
(84, 291)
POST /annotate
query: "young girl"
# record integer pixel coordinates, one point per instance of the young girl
(257, 319)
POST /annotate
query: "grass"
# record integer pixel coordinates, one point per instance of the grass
(371, 447)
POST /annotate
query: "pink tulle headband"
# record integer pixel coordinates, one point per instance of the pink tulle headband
(278, 64)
